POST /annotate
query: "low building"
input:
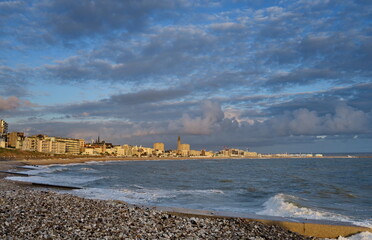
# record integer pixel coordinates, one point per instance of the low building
(233, 152)
(250, 154)
(73, 146)
(88, 151)
(55, 145)
(195, 153)
(207, 153)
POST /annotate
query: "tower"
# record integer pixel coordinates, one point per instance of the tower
(3, 127)
(179, 143)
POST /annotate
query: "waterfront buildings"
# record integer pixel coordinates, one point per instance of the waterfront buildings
(233, 152)
(71, 146)
(54, 145)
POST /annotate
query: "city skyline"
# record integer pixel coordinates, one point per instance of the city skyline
(273, 76)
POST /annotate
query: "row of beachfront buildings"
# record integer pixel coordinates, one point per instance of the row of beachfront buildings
(58, 145)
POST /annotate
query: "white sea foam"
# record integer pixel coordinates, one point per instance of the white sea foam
(30, 167)
(359, 236)
(284, 206)
(56, 180)
(139, 195)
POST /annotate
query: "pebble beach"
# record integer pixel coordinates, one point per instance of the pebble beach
(39, 213)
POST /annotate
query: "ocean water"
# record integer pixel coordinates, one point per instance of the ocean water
(338, 189)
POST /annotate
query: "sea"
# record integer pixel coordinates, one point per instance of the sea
(337, 189)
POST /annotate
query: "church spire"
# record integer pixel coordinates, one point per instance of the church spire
(179, 143)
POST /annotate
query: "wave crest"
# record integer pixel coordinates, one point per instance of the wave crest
(284, 205)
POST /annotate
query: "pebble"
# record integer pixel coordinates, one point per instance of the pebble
(27, 213)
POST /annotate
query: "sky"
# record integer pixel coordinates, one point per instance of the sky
(267, 76)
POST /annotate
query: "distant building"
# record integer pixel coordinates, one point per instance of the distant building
(233, 152)
(98, 146)
(3, 133)
(159, 146)
(195, 153)
(179, 143)
(127, 150)
(250, 154)
(183, 149)
(15, 139)
(52, 145)
(2, 143)
(55, 145)
(206, 153)
(32, 143)
(73, 146)
(3, 127)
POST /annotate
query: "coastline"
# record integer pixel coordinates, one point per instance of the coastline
(39, 213)
(78, 159)
(303, 227)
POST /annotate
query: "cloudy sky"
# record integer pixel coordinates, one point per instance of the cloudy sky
(270, 76)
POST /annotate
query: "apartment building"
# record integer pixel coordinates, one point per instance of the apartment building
(15, 139)
(3, 127)
(73, 146)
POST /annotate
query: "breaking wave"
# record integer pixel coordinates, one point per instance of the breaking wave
(139, 195)
(284, 205)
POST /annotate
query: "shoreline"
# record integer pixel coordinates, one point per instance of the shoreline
(40, 213)
(79, 159)
(313, 228)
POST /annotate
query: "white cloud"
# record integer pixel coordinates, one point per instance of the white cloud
(211, 117)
